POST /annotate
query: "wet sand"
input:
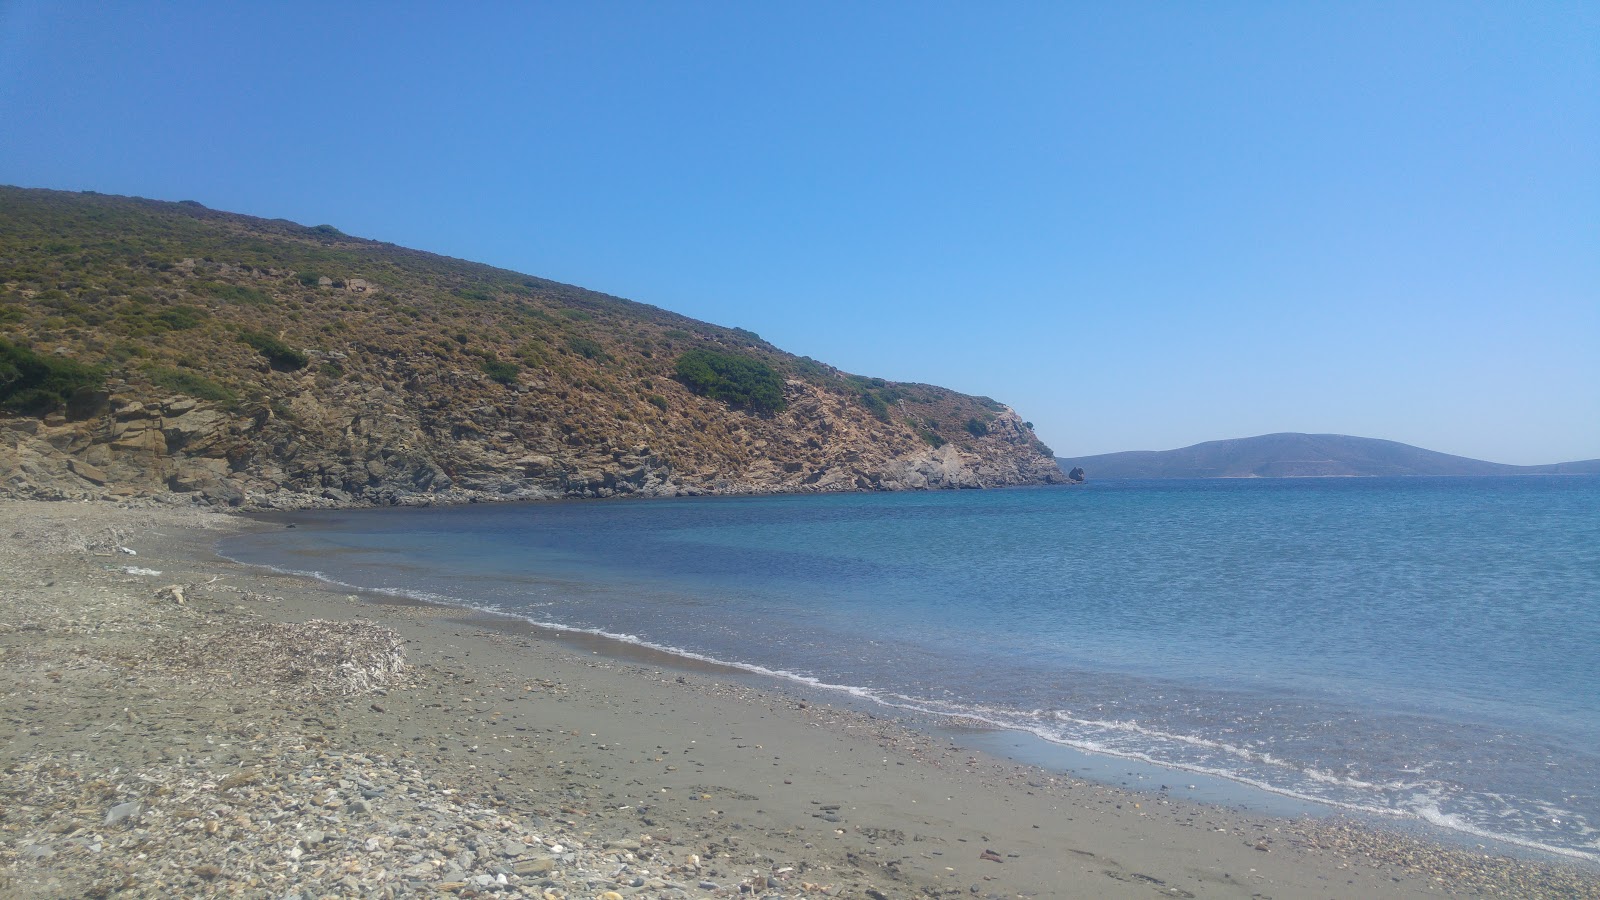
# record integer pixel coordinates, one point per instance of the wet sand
(506, 762)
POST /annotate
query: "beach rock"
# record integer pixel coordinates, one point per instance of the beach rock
(529, 867)
(86, 471)
(124, 812)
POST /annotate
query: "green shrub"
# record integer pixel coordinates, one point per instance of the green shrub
(281, 355)
(309, 278)
(501, 370)
(875, 405)
(586, 347)
(656, 400)
(191, 383)
(931, 437)
(977, 428)
(180, 318)
(732, 378)
(139, 319)
(234, 293)
(809, 369)
(122, 351)
(35, 385)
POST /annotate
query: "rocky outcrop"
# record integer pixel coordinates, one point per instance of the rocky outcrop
(377, 447)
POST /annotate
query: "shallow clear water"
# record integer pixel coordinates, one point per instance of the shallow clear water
(1417, 647)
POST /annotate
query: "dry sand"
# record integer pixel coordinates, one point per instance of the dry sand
(261, 738)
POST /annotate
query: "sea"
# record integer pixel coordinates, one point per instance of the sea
(1423, 649)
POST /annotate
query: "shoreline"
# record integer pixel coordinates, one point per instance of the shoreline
(1208, 786)
(701, 783)
(974, 735)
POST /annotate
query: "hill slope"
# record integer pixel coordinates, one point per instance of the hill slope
(1293, 455)
(148, 348)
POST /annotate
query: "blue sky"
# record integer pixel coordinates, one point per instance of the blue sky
(1142, 225)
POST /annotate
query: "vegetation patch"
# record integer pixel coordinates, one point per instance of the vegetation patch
(36, 385)
(235, 293)
(281, 355)
(138, 319)
(192, 383)
(876, 395)
(478, 294)
(732, 378)
(588, 348)
(500, 370)
(180, 318)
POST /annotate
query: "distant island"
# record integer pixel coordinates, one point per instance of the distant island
(1294, 455)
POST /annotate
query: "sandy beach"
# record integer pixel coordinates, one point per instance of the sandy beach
(180, 725)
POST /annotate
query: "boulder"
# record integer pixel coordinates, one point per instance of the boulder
(87, 472)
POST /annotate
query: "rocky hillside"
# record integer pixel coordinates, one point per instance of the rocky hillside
(151, 348)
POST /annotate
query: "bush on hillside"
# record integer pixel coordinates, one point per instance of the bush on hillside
(500, 370)
(875, 405)
(180, 318)
(233, 293)
(588, 348)
(191, 383)
(281, 355)
(35, 385)
(732, 378)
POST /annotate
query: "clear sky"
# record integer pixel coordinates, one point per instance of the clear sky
(1143, 225)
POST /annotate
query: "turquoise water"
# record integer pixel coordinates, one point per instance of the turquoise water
(1424, 648)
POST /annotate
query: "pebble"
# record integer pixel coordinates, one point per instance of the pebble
(122, 812)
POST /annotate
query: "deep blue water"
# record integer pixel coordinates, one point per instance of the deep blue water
(1422, 647)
